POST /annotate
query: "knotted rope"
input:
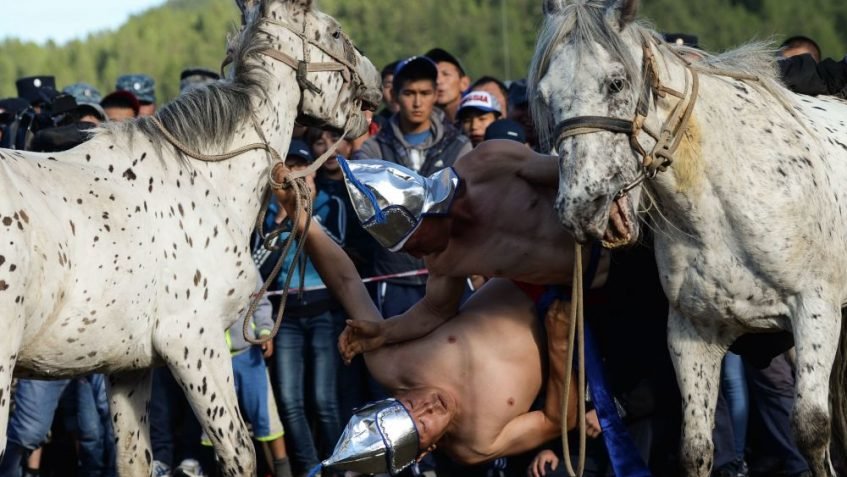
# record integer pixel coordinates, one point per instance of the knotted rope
(577, 322)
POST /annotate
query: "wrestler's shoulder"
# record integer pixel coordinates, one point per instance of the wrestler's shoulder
(495, 152)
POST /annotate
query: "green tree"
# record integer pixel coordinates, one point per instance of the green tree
(495, 37)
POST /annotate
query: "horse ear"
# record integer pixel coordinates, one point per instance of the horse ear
(551, 7)
(624, 11)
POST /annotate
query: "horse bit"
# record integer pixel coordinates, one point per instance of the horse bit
(661, 156)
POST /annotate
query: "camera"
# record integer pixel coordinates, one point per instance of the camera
(18, 130)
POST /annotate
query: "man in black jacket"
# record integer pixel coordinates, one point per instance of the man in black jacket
(803, 72)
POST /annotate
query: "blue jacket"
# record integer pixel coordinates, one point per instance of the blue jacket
(330, 213)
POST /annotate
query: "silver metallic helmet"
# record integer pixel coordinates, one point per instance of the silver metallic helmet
(391, 200)
(380, 437)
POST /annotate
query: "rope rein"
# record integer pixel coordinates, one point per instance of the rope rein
(577, 323)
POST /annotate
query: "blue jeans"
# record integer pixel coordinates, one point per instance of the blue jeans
(734, 389)
(308, 344)
(174, 430)
(35, 405)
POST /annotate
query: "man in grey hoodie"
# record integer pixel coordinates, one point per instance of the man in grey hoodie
(416, 137)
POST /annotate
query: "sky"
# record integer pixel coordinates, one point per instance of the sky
(64, 20)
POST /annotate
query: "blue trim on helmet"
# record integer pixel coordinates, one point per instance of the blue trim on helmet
(378, 215)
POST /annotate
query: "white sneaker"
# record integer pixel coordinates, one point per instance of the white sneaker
(160, 469)
(189, 468)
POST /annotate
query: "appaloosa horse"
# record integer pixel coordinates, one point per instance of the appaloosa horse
(123, 253)
(747, 184)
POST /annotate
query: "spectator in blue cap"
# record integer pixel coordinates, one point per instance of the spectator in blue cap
(143, 87)
(506, 129)
(88, 102)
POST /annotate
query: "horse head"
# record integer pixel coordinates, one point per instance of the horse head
(337, 82)
(586, 78)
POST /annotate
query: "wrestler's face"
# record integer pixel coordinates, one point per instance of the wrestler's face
(431, 237)
(430, 409)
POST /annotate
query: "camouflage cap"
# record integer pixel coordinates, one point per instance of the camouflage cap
(196, 77)
(142, 86)
(84, 93)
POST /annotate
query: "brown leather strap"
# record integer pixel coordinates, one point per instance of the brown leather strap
(591, 124)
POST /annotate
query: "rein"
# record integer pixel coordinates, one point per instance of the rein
(294, 179)
(577, 322)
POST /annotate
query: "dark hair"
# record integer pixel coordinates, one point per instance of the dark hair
(312, 135)
(801, 41)
(388, 69)
(491, 79)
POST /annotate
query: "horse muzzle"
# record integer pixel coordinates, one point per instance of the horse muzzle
(608, 219)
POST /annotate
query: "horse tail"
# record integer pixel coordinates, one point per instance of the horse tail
(838, 393)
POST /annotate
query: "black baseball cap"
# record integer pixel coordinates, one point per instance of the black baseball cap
(682, 39)
(414, 68)
(505, 129)
(438, 55)
(299, 149)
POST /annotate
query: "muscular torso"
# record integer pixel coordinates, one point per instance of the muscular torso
(489, 357)
(503, 225)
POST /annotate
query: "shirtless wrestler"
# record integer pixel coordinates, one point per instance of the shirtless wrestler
(469, 384)
(494, 217)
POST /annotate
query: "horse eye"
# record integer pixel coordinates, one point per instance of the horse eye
(336, 34)
(616, 86)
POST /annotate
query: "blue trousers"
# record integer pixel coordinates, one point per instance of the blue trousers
(35, 406)
(174, 430)
(306, 369)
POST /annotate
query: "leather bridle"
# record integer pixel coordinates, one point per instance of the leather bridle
(305, 66)
(667, 140)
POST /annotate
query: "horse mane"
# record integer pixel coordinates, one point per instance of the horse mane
(206, 118)
(584, 22)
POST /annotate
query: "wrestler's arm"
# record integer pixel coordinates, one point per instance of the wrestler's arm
(441, 302)
(334, 266)
(494, 159)
(540, 170)
(533, 429)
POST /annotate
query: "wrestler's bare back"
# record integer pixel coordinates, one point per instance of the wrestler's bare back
(503, 224)
(489, 357)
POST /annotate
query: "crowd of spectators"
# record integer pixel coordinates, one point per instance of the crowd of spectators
(433, 113)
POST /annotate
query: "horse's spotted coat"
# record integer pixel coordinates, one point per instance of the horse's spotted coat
(760, 244)
(119, 255)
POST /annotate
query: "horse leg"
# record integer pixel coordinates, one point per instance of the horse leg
(817, 327)
(129, 402)
(203, 368)
(697, 360)
(10, 341)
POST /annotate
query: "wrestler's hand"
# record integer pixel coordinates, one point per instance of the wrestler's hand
(538, 467)
(360, 337)
(287, 196)
(592, 424)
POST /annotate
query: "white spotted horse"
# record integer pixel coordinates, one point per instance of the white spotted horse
(744, 182)
(123, 253)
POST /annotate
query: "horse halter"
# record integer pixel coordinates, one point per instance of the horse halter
(661, 156)
(305, 66)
